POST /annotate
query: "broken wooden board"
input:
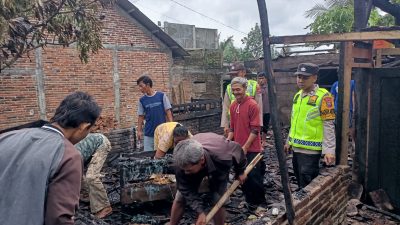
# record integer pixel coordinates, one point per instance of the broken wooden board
(147, 192)
(381, 200)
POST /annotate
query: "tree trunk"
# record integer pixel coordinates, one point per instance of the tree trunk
(360, 15)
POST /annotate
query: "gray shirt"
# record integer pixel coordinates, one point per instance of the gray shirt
(40, 177)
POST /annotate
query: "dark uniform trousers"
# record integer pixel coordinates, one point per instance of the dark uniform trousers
(305, 167)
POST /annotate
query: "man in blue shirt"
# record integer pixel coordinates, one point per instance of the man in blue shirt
(334, 91)
(154, 107)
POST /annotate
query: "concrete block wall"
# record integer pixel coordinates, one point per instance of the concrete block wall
(325, 202)
(197, 76)
(191, 37)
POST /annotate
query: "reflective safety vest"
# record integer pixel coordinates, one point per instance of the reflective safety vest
(250, 91)
(307, 128)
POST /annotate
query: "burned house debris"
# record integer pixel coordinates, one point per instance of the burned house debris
(363, 187)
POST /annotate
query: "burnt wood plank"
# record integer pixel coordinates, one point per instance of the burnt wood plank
(146, 193)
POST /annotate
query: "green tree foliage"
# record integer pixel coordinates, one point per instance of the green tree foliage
(320, 9)
(338, 19)
(229, 52)
(29, 24)
(375, 19)
(391, 7)
(337, 16)
(253, 45)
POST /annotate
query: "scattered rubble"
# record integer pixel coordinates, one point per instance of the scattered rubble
(360, 214)
(158, 212)
(381, 199)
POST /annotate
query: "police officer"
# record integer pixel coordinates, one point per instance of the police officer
(312, 130)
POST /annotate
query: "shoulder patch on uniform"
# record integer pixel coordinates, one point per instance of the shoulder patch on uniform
(327, 108)
(328, 100)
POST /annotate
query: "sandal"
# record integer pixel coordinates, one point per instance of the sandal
(104, 212)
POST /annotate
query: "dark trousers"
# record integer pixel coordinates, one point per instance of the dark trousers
(253, 188)
(306, 167)
(266, 118)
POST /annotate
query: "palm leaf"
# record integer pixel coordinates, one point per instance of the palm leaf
(334, 3)
(225, 43)
(317, 10)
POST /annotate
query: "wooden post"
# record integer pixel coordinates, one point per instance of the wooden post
(378, 58)
(347, 66)
(276, 127)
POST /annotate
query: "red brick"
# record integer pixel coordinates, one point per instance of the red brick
(64, 73)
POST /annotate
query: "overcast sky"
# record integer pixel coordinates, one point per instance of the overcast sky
(286, 17)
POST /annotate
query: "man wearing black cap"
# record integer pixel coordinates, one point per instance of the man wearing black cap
(312, 130)
(238, 70)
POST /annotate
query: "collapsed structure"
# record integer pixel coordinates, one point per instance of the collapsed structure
(325, 198)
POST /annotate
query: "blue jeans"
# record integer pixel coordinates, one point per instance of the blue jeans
(148, 144)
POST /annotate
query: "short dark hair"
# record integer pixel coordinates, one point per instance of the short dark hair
(146, 80)
(261, 74)
(77, 108)
(180, 131)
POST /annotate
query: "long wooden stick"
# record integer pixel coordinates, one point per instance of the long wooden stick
(232, 188)
(276, 127)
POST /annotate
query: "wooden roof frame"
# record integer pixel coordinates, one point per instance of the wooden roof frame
(350, 53)
(351, 36)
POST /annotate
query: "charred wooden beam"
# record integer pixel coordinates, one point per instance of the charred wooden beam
(147, 192)
(390, 51)
(352, 36)
(276, 126)
(138, 169)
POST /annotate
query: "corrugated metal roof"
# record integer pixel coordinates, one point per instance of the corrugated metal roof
(134, 12)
